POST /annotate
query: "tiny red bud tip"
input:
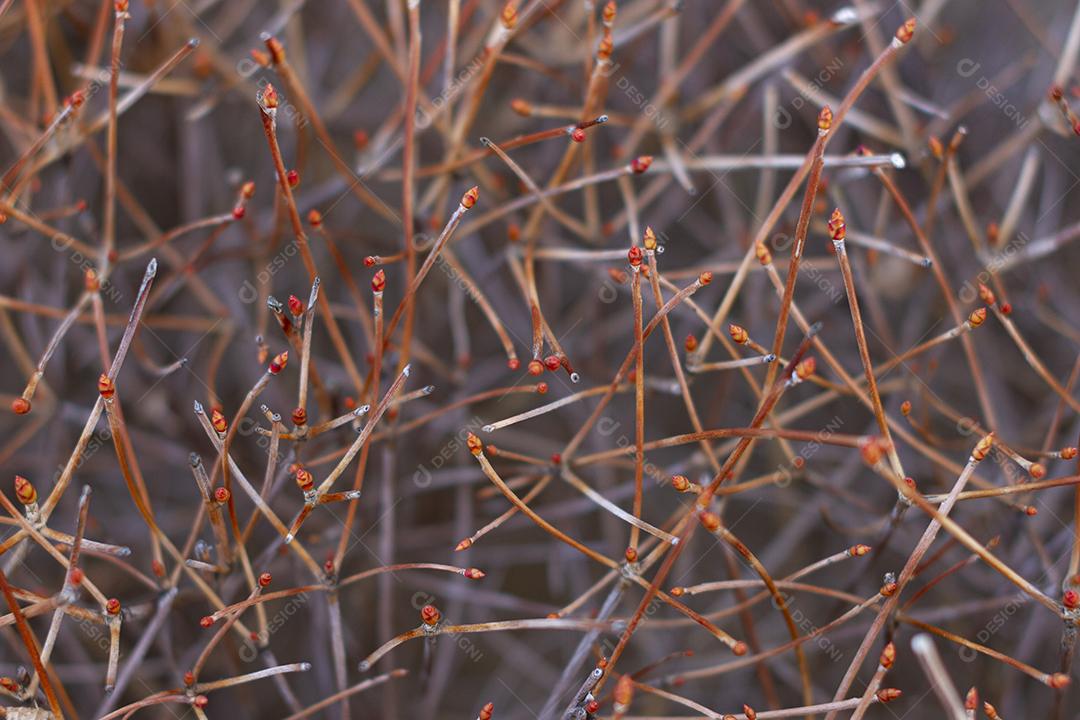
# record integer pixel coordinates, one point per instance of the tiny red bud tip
(1058, 681)
(535, 367)
(304, 480)
(641, 163)
(906, 31)
(20, 406)
(296, 306)
(577, 135)
(430, 615)
(264, 579)
(378, 282)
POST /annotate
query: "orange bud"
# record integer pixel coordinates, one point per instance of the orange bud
(609, 12)
(270, 97)
(106, 386)
(763, 255)
(837, 226)
(649, 240)
(24, 490)
(905, 32)
(217, 420)
(279, 362)
(521, 107)
(977, 317)
(473, 443)
(888, 694)
(470, 197)
(738, 334)
(624, 693)
(606, 47)
(710, 521)
(509, 16)
(824, 119)
(888, 656)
